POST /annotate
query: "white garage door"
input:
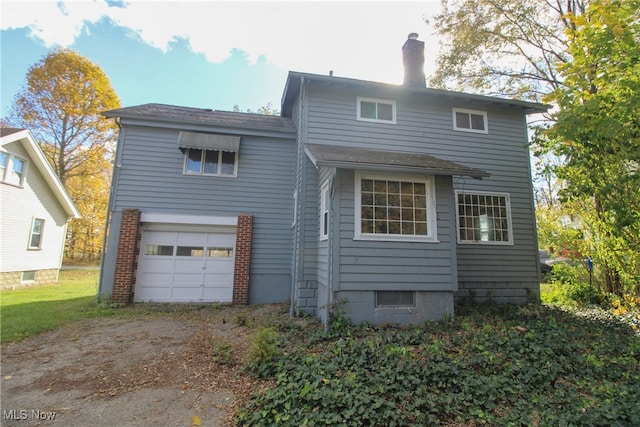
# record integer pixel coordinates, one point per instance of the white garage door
(177, 266)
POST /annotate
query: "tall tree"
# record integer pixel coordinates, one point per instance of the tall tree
(596, 131)
(582, 56)
(505, 47)
(61, 104)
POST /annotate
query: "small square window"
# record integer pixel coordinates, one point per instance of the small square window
(376, 110)
(470, 121)
(28, 276)
(395, 299)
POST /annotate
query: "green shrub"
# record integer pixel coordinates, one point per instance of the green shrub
(263, 353)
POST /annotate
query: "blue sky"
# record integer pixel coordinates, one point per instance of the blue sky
(212, 54)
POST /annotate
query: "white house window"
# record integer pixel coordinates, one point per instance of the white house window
(376, 110)
(324, 211)
(35, 239)
(12, 169)
(470, 120)
(210, 162)
(483, 218)
(395, 207)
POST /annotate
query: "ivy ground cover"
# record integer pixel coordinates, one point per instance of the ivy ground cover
(499, 366)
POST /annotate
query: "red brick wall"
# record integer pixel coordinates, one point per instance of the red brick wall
(244, 233)
(124, 280)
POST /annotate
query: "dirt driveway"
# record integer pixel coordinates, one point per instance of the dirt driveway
(152, 370)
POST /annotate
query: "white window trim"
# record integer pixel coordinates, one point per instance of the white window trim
(432, 222)
(324, 211)
(8, 169)
(185, 171)
(377, 101)
(482, 242)
(33, 222)
(478, 112)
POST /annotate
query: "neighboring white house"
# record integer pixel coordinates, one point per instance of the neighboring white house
(35, 209)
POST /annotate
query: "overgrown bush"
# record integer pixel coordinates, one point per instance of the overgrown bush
(263, 353)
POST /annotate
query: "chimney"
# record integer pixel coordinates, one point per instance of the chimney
(413, 60)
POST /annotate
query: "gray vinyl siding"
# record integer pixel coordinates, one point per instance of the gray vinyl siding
(503, 273)
(263, 187)
(383, 265)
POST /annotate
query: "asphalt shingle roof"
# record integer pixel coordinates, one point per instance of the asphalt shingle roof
(358, 158)
(172, 113)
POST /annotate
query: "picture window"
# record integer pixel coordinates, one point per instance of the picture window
(391, 207)
(483, 218)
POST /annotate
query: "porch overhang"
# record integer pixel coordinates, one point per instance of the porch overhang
(388, 161)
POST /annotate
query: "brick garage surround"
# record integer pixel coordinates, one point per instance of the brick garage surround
(241, 270)
(124, 279)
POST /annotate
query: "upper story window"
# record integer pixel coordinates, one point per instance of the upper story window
(483, 218)
(210, 162)
(376, 110)
(395, 207)
(470, 120)
(12, 169)
(35, 239)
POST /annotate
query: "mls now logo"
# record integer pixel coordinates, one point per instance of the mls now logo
(23, 414)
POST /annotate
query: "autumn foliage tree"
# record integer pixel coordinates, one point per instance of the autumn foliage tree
(596, 130)
(61, 104)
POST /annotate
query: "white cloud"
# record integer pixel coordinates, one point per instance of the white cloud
(355, 39)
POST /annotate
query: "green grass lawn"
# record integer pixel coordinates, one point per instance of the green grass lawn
(34, 309)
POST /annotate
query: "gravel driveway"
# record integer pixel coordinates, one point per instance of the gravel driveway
(128, 372)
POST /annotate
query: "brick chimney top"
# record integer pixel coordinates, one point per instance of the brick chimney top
(413, 60)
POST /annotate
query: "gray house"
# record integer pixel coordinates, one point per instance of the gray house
(387, 201)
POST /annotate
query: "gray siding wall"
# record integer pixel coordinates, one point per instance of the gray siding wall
(150, 179)
(306, 230)
(503, 273)
(404, 266)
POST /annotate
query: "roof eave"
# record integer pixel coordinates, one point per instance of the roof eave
(43, 166)
(396, 168)
(178, 123)
(526, 106)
